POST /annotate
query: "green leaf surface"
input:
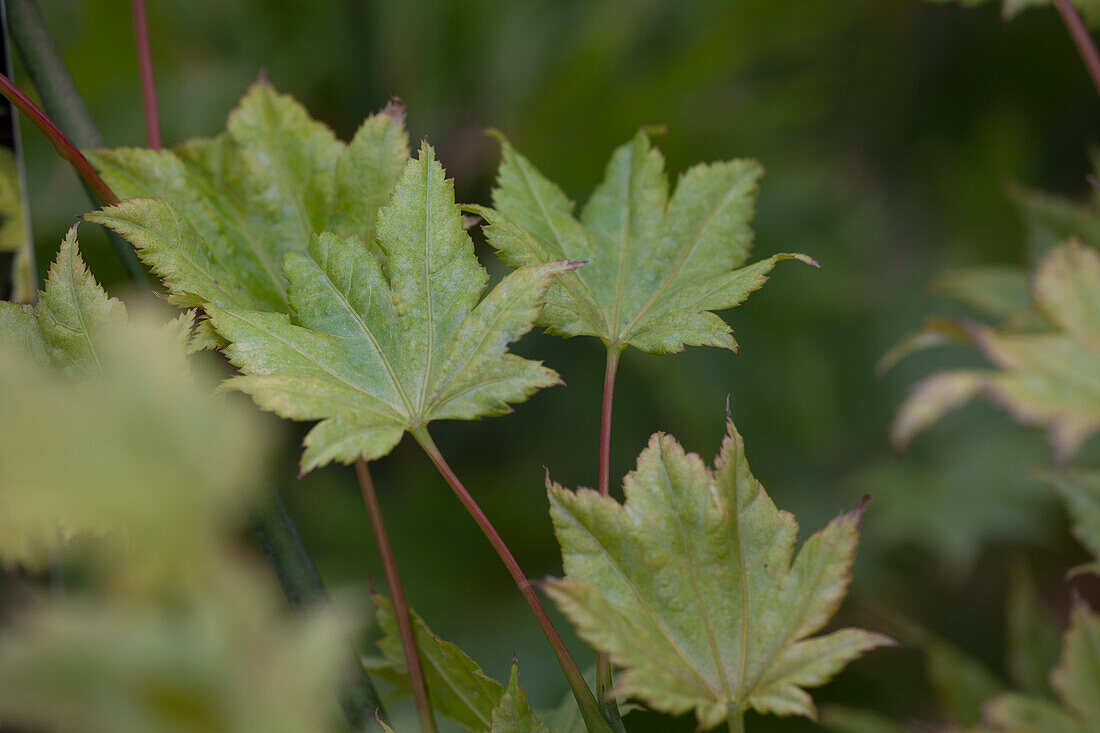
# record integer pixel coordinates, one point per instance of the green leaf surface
(513, 714)
(693, 588)
(1049, 379)
(457, 687)
(658, 266)
(389, 340)
(70, 322)
(214, 217)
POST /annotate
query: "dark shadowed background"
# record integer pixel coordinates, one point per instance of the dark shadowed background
(892, 132)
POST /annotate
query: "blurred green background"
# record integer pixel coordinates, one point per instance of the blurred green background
(891, 131)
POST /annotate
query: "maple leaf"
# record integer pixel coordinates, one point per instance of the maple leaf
(214, 217)
(690, 586)
(1047, 379)
(386, 340)
(1075, 681)
(657, 267)
(66, 329)
(513, 714)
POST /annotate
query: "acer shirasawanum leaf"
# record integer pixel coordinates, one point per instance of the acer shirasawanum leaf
(458, 688)
(657, 266)
(1075, 680)
(387, 339)
(214, 217)
(690, 586)
(73, 317)
(1050, 379)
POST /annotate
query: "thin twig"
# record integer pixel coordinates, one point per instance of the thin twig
(589, 709)
(604, 676)
(397, 598)
(1079, 31)
(145, 66)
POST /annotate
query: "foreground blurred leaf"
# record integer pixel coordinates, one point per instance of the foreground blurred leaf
(1048, 379)
(1081, 491)
(387, 342)
(657, 267)
(226, 662)
(1075, 680)
(214, 217)
(690, 587)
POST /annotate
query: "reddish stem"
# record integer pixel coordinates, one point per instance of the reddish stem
(604, 676)
(585, 701)
(397, 597)
(1075, 24)
(63, 145)
(145, 65)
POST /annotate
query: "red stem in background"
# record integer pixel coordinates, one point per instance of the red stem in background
(145, 65)
(1075, 24)
(585, 701)
(604, 676)
(63, 145)
(397, 597)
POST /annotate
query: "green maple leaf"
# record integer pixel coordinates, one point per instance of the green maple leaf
(657, 266)
(1048, 379)
(386, 339)
(690, 587)
(1075, 681)
(66, 329)
(214, 217)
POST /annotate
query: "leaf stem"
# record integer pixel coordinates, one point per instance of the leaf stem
(586, 702)
(145, 66)
(62, 144)
(62, 102)
(397, 597)
(303, 588)
(736, 722)
(604, 676)
(1079, 32)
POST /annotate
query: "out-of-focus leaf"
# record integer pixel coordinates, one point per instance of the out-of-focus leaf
(387, 341)
(689, 586)
(848, 720)
(939, 498)
(214, 217)
(226, 661)
(1050, 380)
(1001, 294)
(1081, 491)
(457, 687)
(657, 267)
(1075, 680)
(513, 714)
(1033, 636)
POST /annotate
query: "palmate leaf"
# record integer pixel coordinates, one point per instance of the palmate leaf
(386, 340)
(1075, 680)
(214, 217)
(657, 266)
(1049, 379)
(66, 329)
(690, 586)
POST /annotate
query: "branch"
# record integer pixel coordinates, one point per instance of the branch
(1075, 24)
